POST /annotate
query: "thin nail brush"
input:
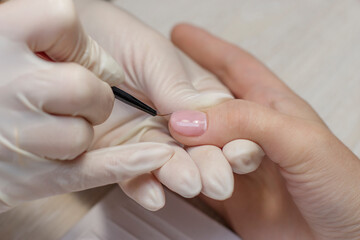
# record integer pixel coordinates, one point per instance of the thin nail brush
(133, 101)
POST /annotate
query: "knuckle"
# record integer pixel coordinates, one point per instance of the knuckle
(79, 88)
(85, 93)
(83, 134)
(107, 104)
(312, 139)
(279, 101)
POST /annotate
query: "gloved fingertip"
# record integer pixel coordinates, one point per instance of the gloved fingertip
(186, 182)
(221, 190)
(243, 155)
(153, 203)
(190, 185)
(219, 184)
(153, 197)
(146, 191)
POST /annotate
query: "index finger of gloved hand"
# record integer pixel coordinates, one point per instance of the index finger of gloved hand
(92, 169)
(69, 89)
(58, 32)
(120, 163)
(245, 76)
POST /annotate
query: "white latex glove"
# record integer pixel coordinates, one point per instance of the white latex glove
(47, 110)
(158, 74)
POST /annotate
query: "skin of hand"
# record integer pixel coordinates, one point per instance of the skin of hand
(307, 187)
(48, 109)
(160, 75)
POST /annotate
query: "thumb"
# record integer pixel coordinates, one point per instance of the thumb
(61, 36)
(283, 138)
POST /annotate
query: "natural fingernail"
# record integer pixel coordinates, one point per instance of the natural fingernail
(189, 123)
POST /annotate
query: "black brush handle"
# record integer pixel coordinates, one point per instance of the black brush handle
(132, 101)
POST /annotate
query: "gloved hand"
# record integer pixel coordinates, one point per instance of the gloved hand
(160, 75)
(48, 109)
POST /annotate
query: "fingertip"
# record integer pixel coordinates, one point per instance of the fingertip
(106, 100)
(216, 174)
(179, 30)
(219, 189)
(185, 35)
(243, 155)
(146, 191)
(185, 182)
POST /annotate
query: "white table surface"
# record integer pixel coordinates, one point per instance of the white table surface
(312, 45)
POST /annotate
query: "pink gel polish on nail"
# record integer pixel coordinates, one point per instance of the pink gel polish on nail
(189, 123)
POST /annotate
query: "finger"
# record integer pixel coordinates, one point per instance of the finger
(241, 72)
(61, 138)
(145, 190)
(61, 36)
(121, 163)
(68, 89)
(93, 169)
(216, 175)
(186, 182)
(240, 119)
(243, 155)
(225, 60)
